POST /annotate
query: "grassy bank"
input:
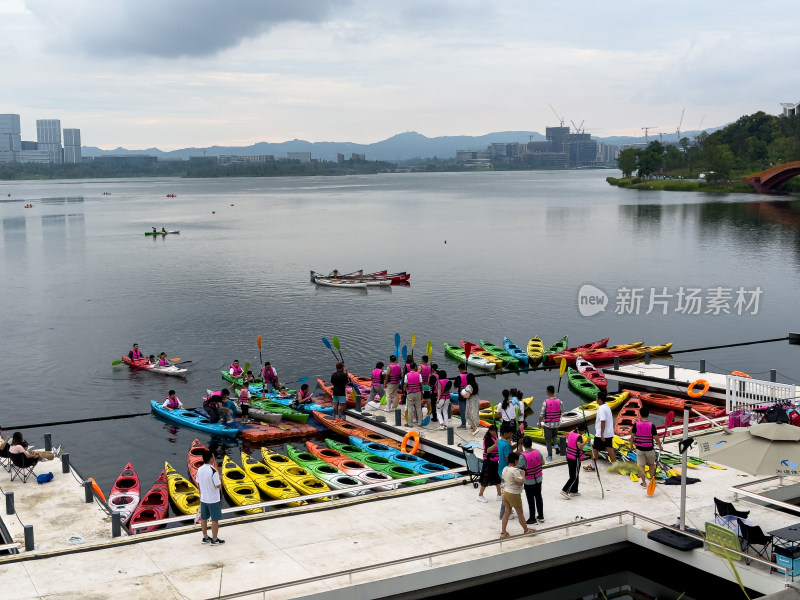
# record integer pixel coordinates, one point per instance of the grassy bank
(679, 185)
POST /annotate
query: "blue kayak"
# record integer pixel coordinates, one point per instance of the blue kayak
(308, 407)
(515, 351)
(191, 419)
(415, 463)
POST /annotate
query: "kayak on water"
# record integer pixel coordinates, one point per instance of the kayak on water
(161, 232)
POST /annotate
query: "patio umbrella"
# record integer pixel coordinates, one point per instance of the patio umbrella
(763, 449)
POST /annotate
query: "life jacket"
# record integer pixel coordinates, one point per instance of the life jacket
(463, 377)
(377, 374)
(414, 382)
(173, 404)
(643, 435)
(136, 354)
(493, 455)
(269, 374)
(236, 370)
(425, 371)
(244, 395)
(304, 395)
(573, 451)
(214, 399)
(433, 382)
(163, 362)
(552, 411)
(395, 373)
(533, 464)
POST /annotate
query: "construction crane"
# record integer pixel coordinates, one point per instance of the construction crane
(679, 126)
(561, 119)
(578, 129)
(646, 129)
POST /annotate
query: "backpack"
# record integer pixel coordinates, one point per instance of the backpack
(776, 414)
(44, 478)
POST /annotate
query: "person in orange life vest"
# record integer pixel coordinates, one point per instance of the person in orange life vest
(575, 443)
(551, 414)
(172, 401)
(376, 385)
(214, 406)
(642, 436)
(162, 360)
(236, 371)
(135, 354)
(393, 377)
(271, 382)
(530, 461)
(412, 386)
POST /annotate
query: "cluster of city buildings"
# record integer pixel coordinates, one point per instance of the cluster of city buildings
(46, 149)
(562, 150)
(302, 157)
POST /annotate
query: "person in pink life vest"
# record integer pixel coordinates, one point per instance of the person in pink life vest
(270, 375)
(530, 462)
(376, 385)
(162, 360)
(642, 438)
(172, 402)
(135, 354)
(551, 415)
(393, 377)
(235, 370)
(412, 385)
(575, 443)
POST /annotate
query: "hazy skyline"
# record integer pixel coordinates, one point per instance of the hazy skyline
(200, 73)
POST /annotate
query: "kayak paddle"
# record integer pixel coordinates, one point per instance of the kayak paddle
(413, 341)
(338, 347)
(397, 345)
(117, 362)
(329, 347)
(563, 367)
(429, 351)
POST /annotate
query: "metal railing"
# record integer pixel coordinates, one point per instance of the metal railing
(429, 556)
(747, 393)
(738, 491)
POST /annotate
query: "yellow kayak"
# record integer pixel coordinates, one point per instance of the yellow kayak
(268, 481)
(183, 493)
(300, 479)
(653, 350)
(486, 413)
(588, 412)
(535, 350)
(238, 486)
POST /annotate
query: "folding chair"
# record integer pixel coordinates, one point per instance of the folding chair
(726, 509)
(474, 466)
(752, 536)
(22, 466)
(5, 460)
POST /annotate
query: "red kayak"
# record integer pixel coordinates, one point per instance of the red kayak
(664, 402)
(591, 373)
(125, 493)
(154, 505)
(195, 459)
(590, 346)
(627, 417)
(140, 364)
(600, 355)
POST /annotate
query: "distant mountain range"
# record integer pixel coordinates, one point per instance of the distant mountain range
(404, 146)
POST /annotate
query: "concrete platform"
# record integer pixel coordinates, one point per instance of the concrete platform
(324, 541)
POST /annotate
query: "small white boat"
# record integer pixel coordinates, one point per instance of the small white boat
(171, 370)
(481, 363)
(340, 283)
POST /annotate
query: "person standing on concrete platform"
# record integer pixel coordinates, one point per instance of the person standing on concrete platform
(393, 376)
(442, 399)
(530, 461)
(412, 386)
(209, 483)
(461, 383)
(339, 381)
(513, 478)
(489, 471)
(551, 415)
(575, 443)
(642, 436)
(503, 451)
(376, 385)
(603, 433)
(473, 403)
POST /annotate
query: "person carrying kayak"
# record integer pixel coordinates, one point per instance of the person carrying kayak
(236, 371)
(135, 354)
(213, 404)
(271, 382)
(172, 402)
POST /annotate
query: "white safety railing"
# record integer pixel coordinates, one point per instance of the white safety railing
(743, 393)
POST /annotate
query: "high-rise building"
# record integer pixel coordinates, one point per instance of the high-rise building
(48, 136)
(10, 138)
(72, 146)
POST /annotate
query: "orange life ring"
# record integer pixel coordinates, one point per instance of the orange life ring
(415, 447)
(690, 390)
(97, 489)
(740, 374)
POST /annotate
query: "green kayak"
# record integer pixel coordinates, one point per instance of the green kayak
(323, 471)
(506, 357)
(160, 232)
(559, 346)
(288, 413)
(581, 385)
(383, 465)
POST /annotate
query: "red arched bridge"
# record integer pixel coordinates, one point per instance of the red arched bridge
(772, 180)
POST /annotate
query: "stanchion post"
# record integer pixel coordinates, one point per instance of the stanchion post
(116, 524)
(616, 363)
(29, 546)
(87, 492)
(773, 375)
(48, 442)
(358, 403)
(450, 436)
(647, 357)
(65, 462)
(672, 371)
(9, 503)
(702, 365)
(397, 417)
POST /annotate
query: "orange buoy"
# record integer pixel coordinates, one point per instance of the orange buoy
(411, 435)
(740, 374)
(696, 394)
(97, 489)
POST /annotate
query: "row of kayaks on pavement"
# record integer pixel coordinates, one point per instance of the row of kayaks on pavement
(314, 470)
(488, 356)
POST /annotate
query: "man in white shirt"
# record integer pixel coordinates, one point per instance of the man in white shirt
(603, 433)
(210, 502)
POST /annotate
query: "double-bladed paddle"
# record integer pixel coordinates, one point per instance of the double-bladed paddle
(329, 347)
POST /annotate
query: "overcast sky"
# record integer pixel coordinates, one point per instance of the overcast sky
(180, 73)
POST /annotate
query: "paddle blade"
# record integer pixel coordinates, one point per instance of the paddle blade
(175, 359)
(397, 342)
(336, 343)
(467, 350)
(426, 421)
(302, 379)
(258, 341)
(327, 344)
(563, 367)
(668, 421)
(116, 362)
(404, 352)
(246, 368)
(634, 477)
(429, 349)
(413, 341)
(651, 487)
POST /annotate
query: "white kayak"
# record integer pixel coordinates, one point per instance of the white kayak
(171, 370)
(340, 283)
(481, 363)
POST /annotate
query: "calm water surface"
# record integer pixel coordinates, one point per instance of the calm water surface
(491, 255)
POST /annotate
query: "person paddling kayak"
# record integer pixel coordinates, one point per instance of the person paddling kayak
(135, 353)
(162, 360)
(235, 370)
